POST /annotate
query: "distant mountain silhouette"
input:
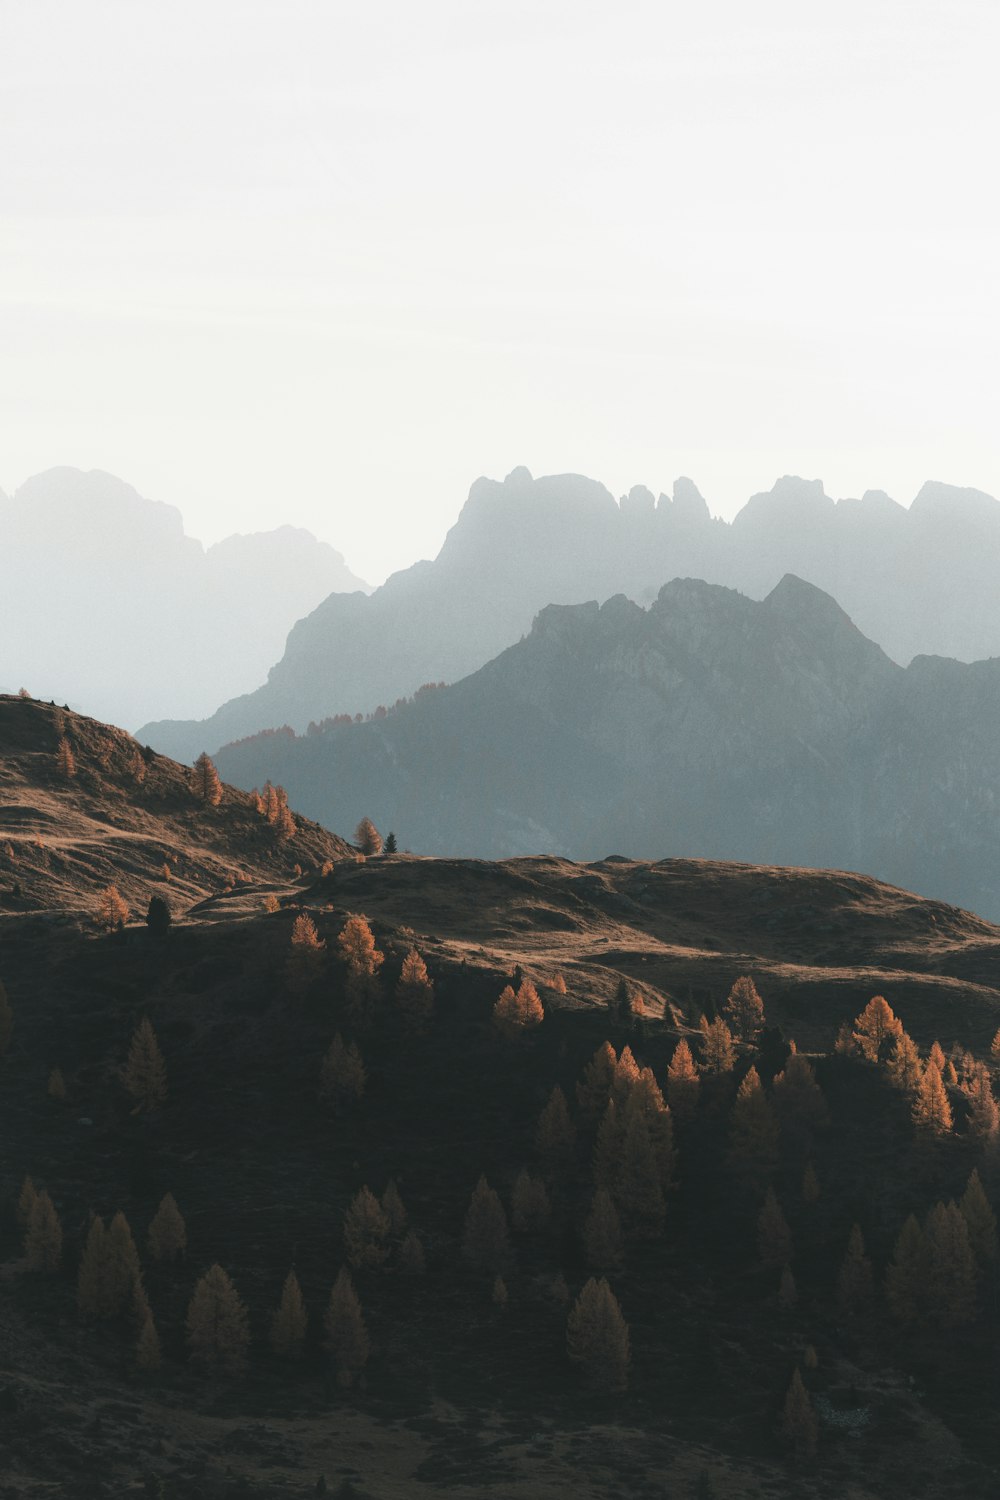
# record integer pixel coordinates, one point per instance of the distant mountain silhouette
(107, 603)
(917, 581)
(708, 725)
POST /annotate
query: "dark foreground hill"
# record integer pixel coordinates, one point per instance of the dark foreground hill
(919, 582)
(467, 1388)
(108, 605)
(707, 725)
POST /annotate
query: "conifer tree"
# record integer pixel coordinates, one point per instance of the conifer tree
(273, 802)
(745, 1009)
(368, 838)
(411, 1254)
(148, 1355)
(207, 786)
(484, 1237)
(876, 1030)
(392, 1206)
(650, 1100)
(995, 1045)
(906, 1275)
(799, 1426)
(304, 963)
(951, 1267)
(25, 1203)
(93, 1291)
(855, 1280)
(363, 961)
(597, 1337)
(936, 1056)
(810, 1184)
(555, 1135)
(415, 993)
(608, 1149)
(389, 847)
(603, 1244)
(903, 1064)
(366, 1231)
(6, 1022)
(530, 1210)
(346, 1335)
(774, 1238)
(626, 1076)
(167, 1235)
(290, 1320)
(112, 912)
(931, 1110)
(798, 1096)
(984, 1116)
(217, 1324)
(145, 1072)
(158, 915)
(753, 1141)
(594, 1089)
(43, 1236)
(286, 827)
(342, 1076)
(683, 1083)
(516, 1014)
(638, 1189)
(980, 1220)
(788, 1293)
(718, 1052)
(65, 759)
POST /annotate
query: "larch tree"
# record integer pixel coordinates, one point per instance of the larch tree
(995, 1046)
(515, 1014)
(25, 1202)
(594, 1088)
(368, 838)
(411, 1254)
(394, 1209)
(6, 1022)
(43, 1236)
(366, 1231)
(485, 1242)
(304, 963)
(145, 1072)
(745, 1009)
(346, 1335)
(608, 1148)
(649, 1098)
(980, 1220)
(717, 1049)
(876, 1029)
(363, 961)
(903, 1064)
(603, 1243)
(774, 1238)
(951, 1267)
(683, 1083)
(799, 1426)
(65, 759)
(798, 1096)
(342, 1075)
(638, 1189)
(112, 912)
(937, 1057)
(415, 993)
(555, 1135)
(530, 1209)
(855, 1279)
(166, 1238)
(983, 1121)
(754, 1130)
(626, 1076)
(597, 1337)
(906, 1275)
(217, 1325)
(205, 780)
(290, 1321)
(148, 1354)
(931, 1110)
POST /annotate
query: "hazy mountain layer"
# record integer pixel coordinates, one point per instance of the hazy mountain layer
(109, 606)
(917, 581)
(708, 725)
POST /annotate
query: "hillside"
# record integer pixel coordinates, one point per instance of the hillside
(108, 604)
(708, 725)
(463, 1393)
(918, 581)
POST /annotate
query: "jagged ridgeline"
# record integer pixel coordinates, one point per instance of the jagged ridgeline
(676, 1172)
(707, 724)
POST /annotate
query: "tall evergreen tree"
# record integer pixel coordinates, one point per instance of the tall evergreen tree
(290, 1321)
(43, 1237)
(167, 1236)
(597, 1337)
(980, 1220)
(366, 1231)
(346, 1334)
(683, 1083)
(217, 1324)
(754, 1131)
(638, 1190)
(415, 993)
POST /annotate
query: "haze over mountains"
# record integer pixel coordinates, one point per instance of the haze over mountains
(707, 725)
(917, 581)
(108, 605)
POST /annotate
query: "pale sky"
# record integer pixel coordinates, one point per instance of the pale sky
(271, 260)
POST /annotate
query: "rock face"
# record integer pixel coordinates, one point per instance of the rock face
(918, 581)
(707, 725)
(108, 604)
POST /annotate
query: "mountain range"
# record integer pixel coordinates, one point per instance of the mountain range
(918, 581)
(707, 725)
(108, 605)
